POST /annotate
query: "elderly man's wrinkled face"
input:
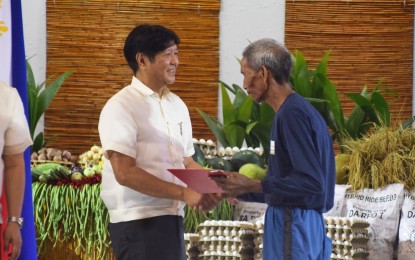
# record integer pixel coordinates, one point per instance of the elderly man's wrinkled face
(254, 82)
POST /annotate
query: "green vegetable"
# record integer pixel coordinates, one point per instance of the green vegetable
(68, 215)
(219, 164)
(97, 168)
(224, 211)
(253, 171)
(244, 157)
(44, 178)
(76, 176)
(199, 156)
(35, 174)
(89, 172)
(47, 167)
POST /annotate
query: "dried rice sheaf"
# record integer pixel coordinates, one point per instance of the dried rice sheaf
(382, 157)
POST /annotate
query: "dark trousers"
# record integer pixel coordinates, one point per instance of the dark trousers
(157, 238)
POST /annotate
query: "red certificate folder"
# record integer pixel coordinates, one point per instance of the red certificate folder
(198, 179)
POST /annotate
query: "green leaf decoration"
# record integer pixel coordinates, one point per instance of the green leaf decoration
(38, 142)
(235, 134)
(236, 88)
(322, 66)
(365, 105)
(49, 139)
(300, 76)
(261, 132)
(267, 113)
(242, 106)
(227, 108)
(353, 123)
(216, 127)
(40, 96)
(230, 89)
(370, 107)
(251, 126)
(408, 122)
(336, 111)
(239, 98)
(381, 107)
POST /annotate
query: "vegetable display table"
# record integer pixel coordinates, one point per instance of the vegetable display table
(71, 221)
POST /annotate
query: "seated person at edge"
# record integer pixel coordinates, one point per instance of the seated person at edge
(14, 140)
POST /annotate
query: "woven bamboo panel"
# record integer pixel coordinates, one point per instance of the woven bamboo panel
(369, 40)
(87, 37)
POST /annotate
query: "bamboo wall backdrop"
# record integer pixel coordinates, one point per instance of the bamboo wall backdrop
(87, 37)
(369, 40)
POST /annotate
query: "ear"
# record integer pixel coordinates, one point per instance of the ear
(140, 58)
(265, 73)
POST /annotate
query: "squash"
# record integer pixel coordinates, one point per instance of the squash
(199, 156)
(244, 157)
(218, 163)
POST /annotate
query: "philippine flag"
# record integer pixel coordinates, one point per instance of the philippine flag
(13, 72)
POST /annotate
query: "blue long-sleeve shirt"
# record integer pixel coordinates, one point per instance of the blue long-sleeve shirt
(301, 165)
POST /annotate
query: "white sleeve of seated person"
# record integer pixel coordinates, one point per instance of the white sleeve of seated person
(17, 136)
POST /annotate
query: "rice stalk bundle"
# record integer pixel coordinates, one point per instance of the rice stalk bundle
(382, 157)
(411, 168)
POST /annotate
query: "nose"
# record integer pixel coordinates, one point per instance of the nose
(244, 85)
(175, 60)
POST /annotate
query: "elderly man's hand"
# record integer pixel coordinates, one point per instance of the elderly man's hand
(234, 184)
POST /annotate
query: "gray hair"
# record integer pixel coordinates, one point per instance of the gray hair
(271, 54)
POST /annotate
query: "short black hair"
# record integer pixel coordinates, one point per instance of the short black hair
(148, 39)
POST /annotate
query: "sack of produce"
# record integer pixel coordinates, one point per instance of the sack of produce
(338, 207)
(406, 248)
(381, 208)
